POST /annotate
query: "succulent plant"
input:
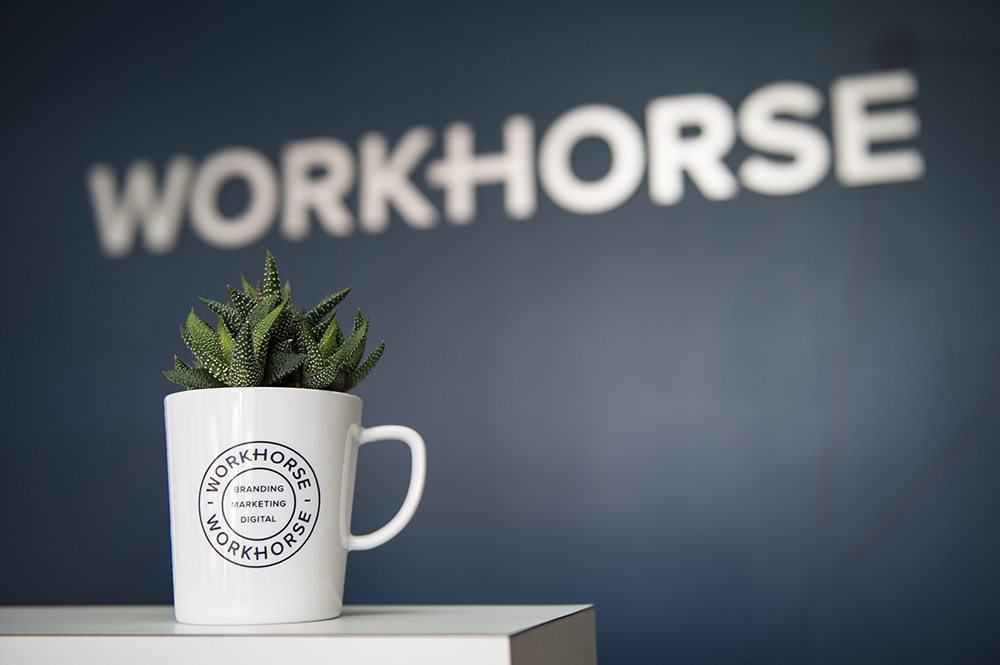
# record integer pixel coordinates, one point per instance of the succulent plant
(262, 339)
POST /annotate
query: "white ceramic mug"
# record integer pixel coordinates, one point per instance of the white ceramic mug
(261, 486)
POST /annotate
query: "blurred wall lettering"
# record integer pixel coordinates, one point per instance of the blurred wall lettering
(683, 135)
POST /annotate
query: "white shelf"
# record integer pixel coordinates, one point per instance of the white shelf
(365, 634)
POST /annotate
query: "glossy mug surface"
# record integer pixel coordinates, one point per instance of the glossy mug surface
(261, 486)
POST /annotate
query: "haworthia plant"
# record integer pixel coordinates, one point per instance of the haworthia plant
(262, 339)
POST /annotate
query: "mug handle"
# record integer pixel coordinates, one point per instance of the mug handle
(418, 474)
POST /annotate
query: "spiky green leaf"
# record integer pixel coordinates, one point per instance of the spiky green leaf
(208, 356)
(248, 288)
(286, 293)
(284, 329)
(226, 341)
(272, 283)
(359, 351)
(358, 375)
(325, 306)
(262, 309)
(202, 333)
(319, 327)
(243, 303)
(325, 376)
(280, 365)
(227, 312)
(305, 338)
(306, 342)
(339, 382)
(262, 331)
(328, 343)
(246, 369)
(192, 378)
(349, 349)
(180, 364)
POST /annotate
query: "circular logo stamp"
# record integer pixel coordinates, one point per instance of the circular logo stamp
(258, 503)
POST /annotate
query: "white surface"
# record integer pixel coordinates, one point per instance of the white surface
(261, 487)
(504, 620)
(372, 635)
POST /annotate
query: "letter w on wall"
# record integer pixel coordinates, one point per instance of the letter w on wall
(119, 215)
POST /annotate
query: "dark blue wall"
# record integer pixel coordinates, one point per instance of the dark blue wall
(757, 430)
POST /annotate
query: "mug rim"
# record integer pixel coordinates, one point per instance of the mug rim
(183, 394)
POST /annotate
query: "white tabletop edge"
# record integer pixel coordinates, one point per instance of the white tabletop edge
(358, 621)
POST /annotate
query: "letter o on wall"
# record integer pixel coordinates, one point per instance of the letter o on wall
(245, 228)
(628, 158)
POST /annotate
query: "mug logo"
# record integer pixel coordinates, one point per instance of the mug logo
(258, 503)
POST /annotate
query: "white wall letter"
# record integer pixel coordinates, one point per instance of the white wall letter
(140, 205)
(386, 180)
(760, 128)
(671, 153)
(231, 232)
(624, 138)
(855, 129)
(461, 171)
(324, 193)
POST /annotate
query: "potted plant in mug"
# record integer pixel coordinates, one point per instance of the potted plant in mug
(262, 339)
(262, 450)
